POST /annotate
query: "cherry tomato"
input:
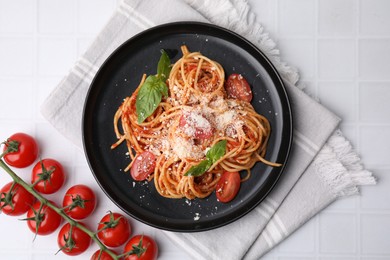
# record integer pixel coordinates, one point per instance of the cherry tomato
(16, 202)
(142, 247)
(49, 176)
(79, 201)
(47, 219)
(196, 125)
(143, 166)
(228, 186)
(72, 240)
(238, 88)
(101, 255)
(114, 230)
(27, 150)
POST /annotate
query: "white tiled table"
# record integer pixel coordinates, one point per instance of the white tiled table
(341, 47)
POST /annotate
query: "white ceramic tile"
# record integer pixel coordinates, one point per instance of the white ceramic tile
(300, 54)
(297, 17)
(373, 227)
(351, 133)
(19, 91)
(50, 256)
(375, 19)
(82, 174)
(374, 102)
(266, 13)
(56, 16)
(297, 258)
(337, 233)
(56, 56)
(46, 243)
(17, 56)
(374, 257)
(345, 204)
(17, 16)
(337, 17)
(16, 255)
(337, 258)
(18, 227)
(340, 97)
(303, 240)
(375, 148)
(374, 55)
(377, 197)
(61, 150)
(92, 20)
(336, 59)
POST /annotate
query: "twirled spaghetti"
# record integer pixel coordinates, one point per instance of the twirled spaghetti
(197, 114)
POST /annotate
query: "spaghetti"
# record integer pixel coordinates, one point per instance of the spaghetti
(197, 114)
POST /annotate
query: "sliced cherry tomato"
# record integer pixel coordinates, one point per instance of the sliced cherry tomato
(101, 255)
(49, 176)
(141, 247)
(22, 150)
(238, 88)
(79, 201)
(15, 200)
(72, 240)
(43, 220)
(143, 166)
(114, 230)
(196, 126)
(228, 186)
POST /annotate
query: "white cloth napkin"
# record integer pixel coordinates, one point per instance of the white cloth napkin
(323, 166)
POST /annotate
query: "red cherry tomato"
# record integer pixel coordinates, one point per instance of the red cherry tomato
(238, 88)
(143, 166)
(228, 186)
(47, 219)
(101, 255)
(79, 201)
(142, 247)
(16, 202)
(196, 125)
(27, 150)
(115, 230)
(49, 176)
(72, 240)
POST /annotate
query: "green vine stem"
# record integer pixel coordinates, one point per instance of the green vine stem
(44, 201)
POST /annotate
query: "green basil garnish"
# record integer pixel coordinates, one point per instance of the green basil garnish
(164, 66)
(214, 154)
(153, 89)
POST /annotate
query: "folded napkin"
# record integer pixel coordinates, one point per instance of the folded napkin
(322, 167)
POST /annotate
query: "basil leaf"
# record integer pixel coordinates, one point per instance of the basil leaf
(164, 66)
(217, 151)
(149, 97)
(154, 88)
(214, 154)
(199, 169)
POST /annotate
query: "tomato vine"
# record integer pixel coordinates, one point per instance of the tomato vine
(45, 202)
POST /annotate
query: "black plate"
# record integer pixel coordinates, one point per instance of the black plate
(119, 76)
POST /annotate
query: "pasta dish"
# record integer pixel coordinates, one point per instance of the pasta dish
(190, 130)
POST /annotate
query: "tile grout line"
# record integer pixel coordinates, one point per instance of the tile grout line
(358, 241)
(316, 93)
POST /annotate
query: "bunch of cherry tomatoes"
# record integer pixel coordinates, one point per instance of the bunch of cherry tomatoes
(79, 202)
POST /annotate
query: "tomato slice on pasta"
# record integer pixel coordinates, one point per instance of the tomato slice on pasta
(238, 88)
(143, 166)
(228, 186)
